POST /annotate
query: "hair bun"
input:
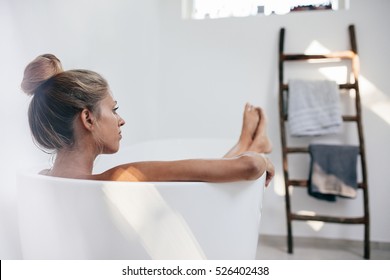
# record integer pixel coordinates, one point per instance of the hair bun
(39, 71)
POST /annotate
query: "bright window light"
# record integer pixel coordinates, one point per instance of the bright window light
(212, 9)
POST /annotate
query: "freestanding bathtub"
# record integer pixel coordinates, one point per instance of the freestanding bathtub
(84, 219)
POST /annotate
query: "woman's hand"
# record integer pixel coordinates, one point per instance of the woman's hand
(270, 169)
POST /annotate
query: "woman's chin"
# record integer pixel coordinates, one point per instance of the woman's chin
(111, 150)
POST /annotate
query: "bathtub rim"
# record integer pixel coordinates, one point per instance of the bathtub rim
(33, 172)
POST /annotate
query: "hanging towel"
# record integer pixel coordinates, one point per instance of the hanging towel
(314, 107)
(333, 171)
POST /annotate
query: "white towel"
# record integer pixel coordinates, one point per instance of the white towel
(314, 107)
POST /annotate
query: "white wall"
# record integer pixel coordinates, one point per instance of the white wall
(183, 78)
(210, 68)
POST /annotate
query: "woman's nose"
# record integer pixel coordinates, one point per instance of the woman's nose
(121, 121)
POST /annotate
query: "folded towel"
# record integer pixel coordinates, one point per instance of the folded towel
(333, 171)
(314, 107)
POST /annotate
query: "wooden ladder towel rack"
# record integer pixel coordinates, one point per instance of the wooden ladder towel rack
(287, 150)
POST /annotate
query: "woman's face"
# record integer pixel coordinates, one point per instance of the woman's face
(109, 125)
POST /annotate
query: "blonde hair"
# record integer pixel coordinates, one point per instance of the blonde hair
(57, 98)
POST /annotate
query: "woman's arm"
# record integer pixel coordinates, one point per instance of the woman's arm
(248, 166)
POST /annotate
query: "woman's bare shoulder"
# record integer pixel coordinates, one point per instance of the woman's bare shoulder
(126, 172)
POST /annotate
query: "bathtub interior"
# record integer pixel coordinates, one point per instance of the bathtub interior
(83, 219)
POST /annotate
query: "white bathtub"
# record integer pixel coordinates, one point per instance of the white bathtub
(85, 219)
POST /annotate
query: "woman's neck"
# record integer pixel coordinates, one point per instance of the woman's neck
(73, 163)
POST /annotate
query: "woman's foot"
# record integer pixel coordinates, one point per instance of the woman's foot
(261, 143)
(249, 126)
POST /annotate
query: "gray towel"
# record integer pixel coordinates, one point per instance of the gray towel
(313, 107)
(333, 171)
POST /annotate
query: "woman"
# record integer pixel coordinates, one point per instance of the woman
(74, 114)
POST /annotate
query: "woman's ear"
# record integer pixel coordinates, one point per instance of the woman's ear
(87, 119)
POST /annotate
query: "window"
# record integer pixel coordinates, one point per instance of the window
(203, 9)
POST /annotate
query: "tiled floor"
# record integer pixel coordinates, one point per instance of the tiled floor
(275, 248)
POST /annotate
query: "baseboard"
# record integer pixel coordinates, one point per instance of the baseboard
(314, 241)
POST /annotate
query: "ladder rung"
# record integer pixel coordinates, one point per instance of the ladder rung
(350, 118)
(304, 183)
(329, 219)
(297, 150)
(333, 55)
(345, 118)
(298, 183)
(348, 86)
(341, 86)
